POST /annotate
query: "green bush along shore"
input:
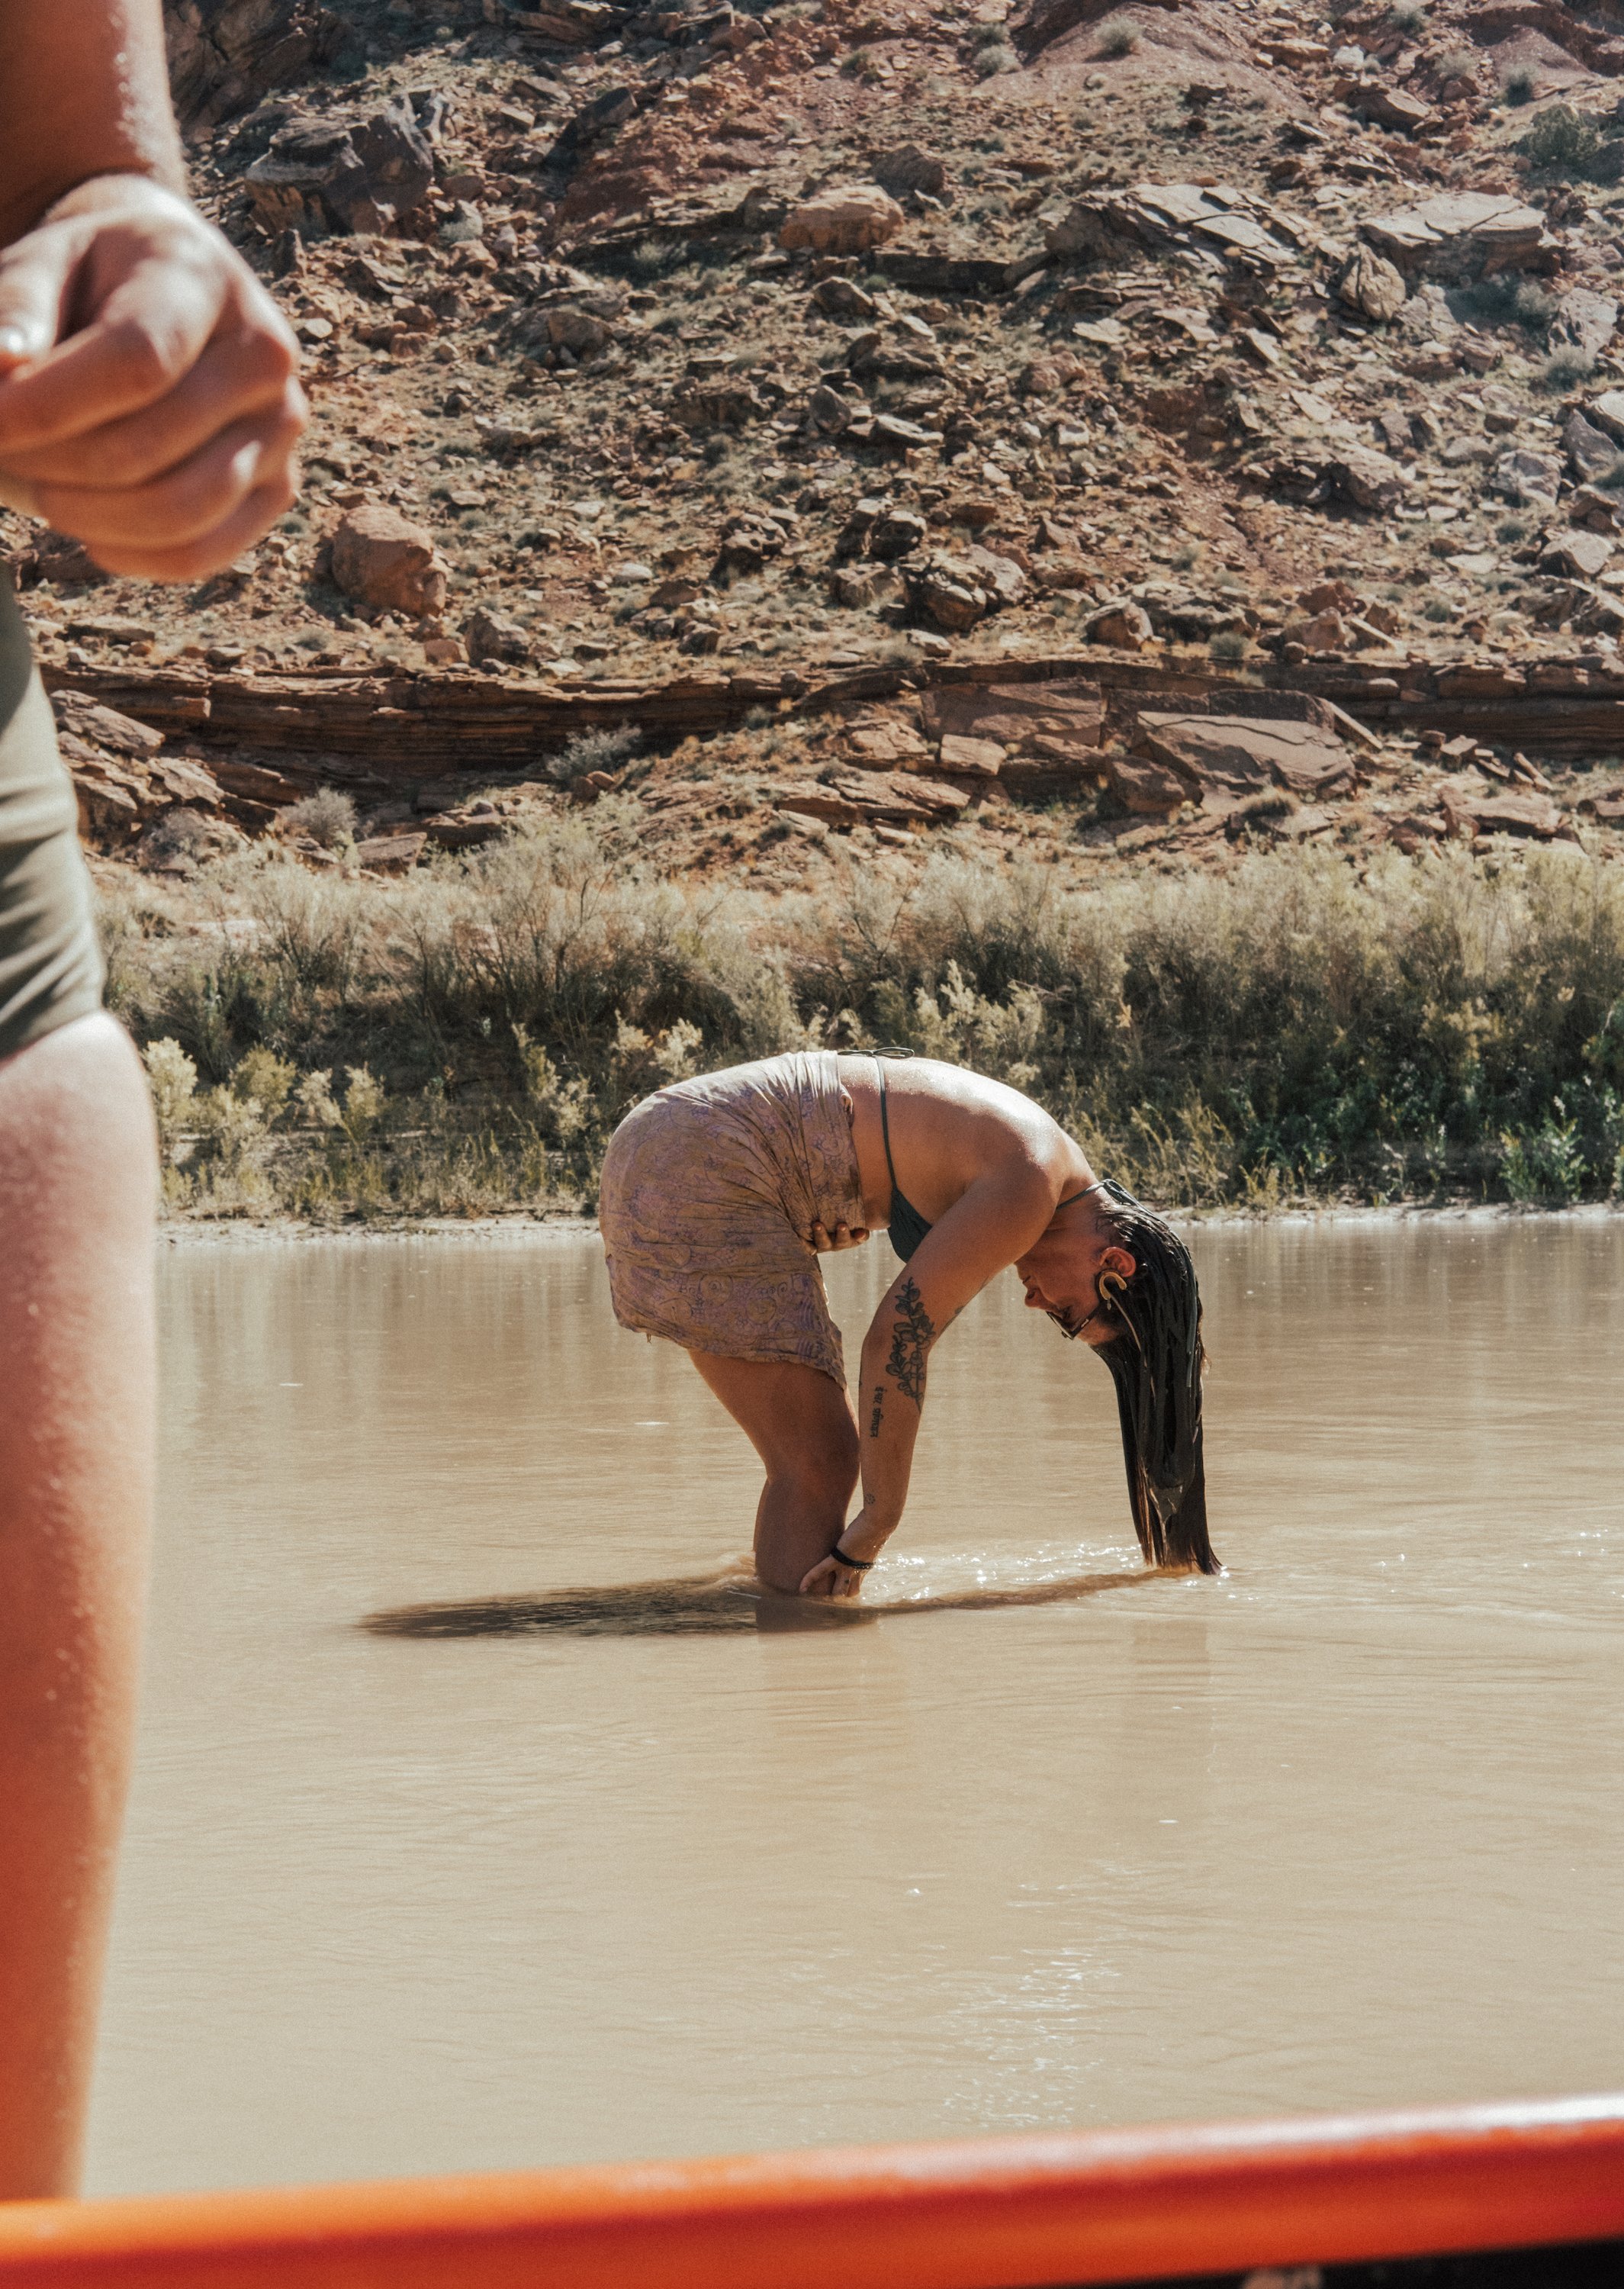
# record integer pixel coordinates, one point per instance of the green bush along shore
(462, 1042)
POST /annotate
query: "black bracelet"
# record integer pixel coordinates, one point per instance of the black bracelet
(857, 1565)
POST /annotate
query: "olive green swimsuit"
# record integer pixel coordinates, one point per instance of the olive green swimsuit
(49, 964)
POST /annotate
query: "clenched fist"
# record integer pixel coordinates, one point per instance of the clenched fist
(149, 400)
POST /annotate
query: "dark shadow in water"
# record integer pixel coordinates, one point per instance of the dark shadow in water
(712, 1605)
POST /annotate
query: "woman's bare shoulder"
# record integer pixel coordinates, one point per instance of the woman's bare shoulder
(978, 1093)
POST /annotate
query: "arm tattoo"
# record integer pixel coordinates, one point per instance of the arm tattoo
(911, 1342)
(877, 1410)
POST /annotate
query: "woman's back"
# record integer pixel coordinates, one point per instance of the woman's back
(927, 1130)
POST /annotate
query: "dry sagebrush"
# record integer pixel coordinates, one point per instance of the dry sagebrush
(463, 1039)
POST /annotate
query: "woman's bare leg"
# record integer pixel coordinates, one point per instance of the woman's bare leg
(799, 1421)
(77, 1188)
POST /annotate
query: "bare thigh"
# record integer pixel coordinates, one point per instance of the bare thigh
(800, 1423)
(78, 1185)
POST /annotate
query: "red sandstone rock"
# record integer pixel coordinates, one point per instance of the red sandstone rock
(849, 221)
(381, 558)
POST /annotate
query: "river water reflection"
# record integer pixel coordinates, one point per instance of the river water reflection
(1343, 1827)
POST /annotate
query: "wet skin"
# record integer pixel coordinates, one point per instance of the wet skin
(989, 1169)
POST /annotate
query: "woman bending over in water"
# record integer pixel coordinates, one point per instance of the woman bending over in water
(719, 1193)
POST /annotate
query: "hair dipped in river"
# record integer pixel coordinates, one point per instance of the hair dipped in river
(1156, 1361)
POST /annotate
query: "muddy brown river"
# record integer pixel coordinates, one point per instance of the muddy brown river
(605, 1858)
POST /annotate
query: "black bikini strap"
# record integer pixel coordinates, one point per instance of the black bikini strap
(1077, 1196)
(884, 1124)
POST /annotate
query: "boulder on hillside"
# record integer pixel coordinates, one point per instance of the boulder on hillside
(47, 555)
(593, 125)
(849, 221)
(890, 799)
(1372, 286)
(1040, 741)
(957, 591)
(582, 333)
(1014, 714)
(1473, 810)
(1578, 555)
(1123, 625)
(907, 169)
(329, 175)
(382, 559)
(1111, 225)
(495, 635)
(1591, 451)
(1147, 788)
(1241, 755)
(557, 23)
(1038, 23)
(96, 725)
(1355, 474)
(224, 55)
(1369, 98)
(123, 782)
(1463, 235)
(1585, 320)
(1530, 480)
(885, 745)
(842, 297)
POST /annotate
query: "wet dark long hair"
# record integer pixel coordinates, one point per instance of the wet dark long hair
(1155, 1357)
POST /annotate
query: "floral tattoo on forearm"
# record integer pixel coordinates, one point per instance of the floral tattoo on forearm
(910, 1344)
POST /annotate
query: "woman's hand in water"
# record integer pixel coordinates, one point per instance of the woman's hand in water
(829, 1578)
(844, 1235)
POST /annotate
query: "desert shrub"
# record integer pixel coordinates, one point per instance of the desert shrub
(999, 56)
(593, 751)
(467, 1038)
(1533, 306)
(1118, 35)
(1561, 142)
(172, 1079)
(363, 1103)
(1519, 88)
(318, 1106)
(328, 816)
(654, 258)
(1545, 1166)
(1228, 645)
(260, 1077)
(1407, 16)
(1457, 63)
(1565, 369)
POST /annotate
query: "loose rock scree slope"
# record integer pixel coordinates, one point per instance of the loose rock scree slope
(1111, 438)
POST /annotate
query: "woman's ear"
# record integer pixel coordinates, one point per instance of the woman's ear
(1118, 1260)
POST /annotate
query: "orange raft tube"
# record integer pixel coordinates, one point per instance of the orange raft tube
(1019, 2213)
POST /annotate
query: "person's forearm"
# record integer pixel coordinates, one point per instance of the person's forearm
(888, 1425)
(86, 93)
